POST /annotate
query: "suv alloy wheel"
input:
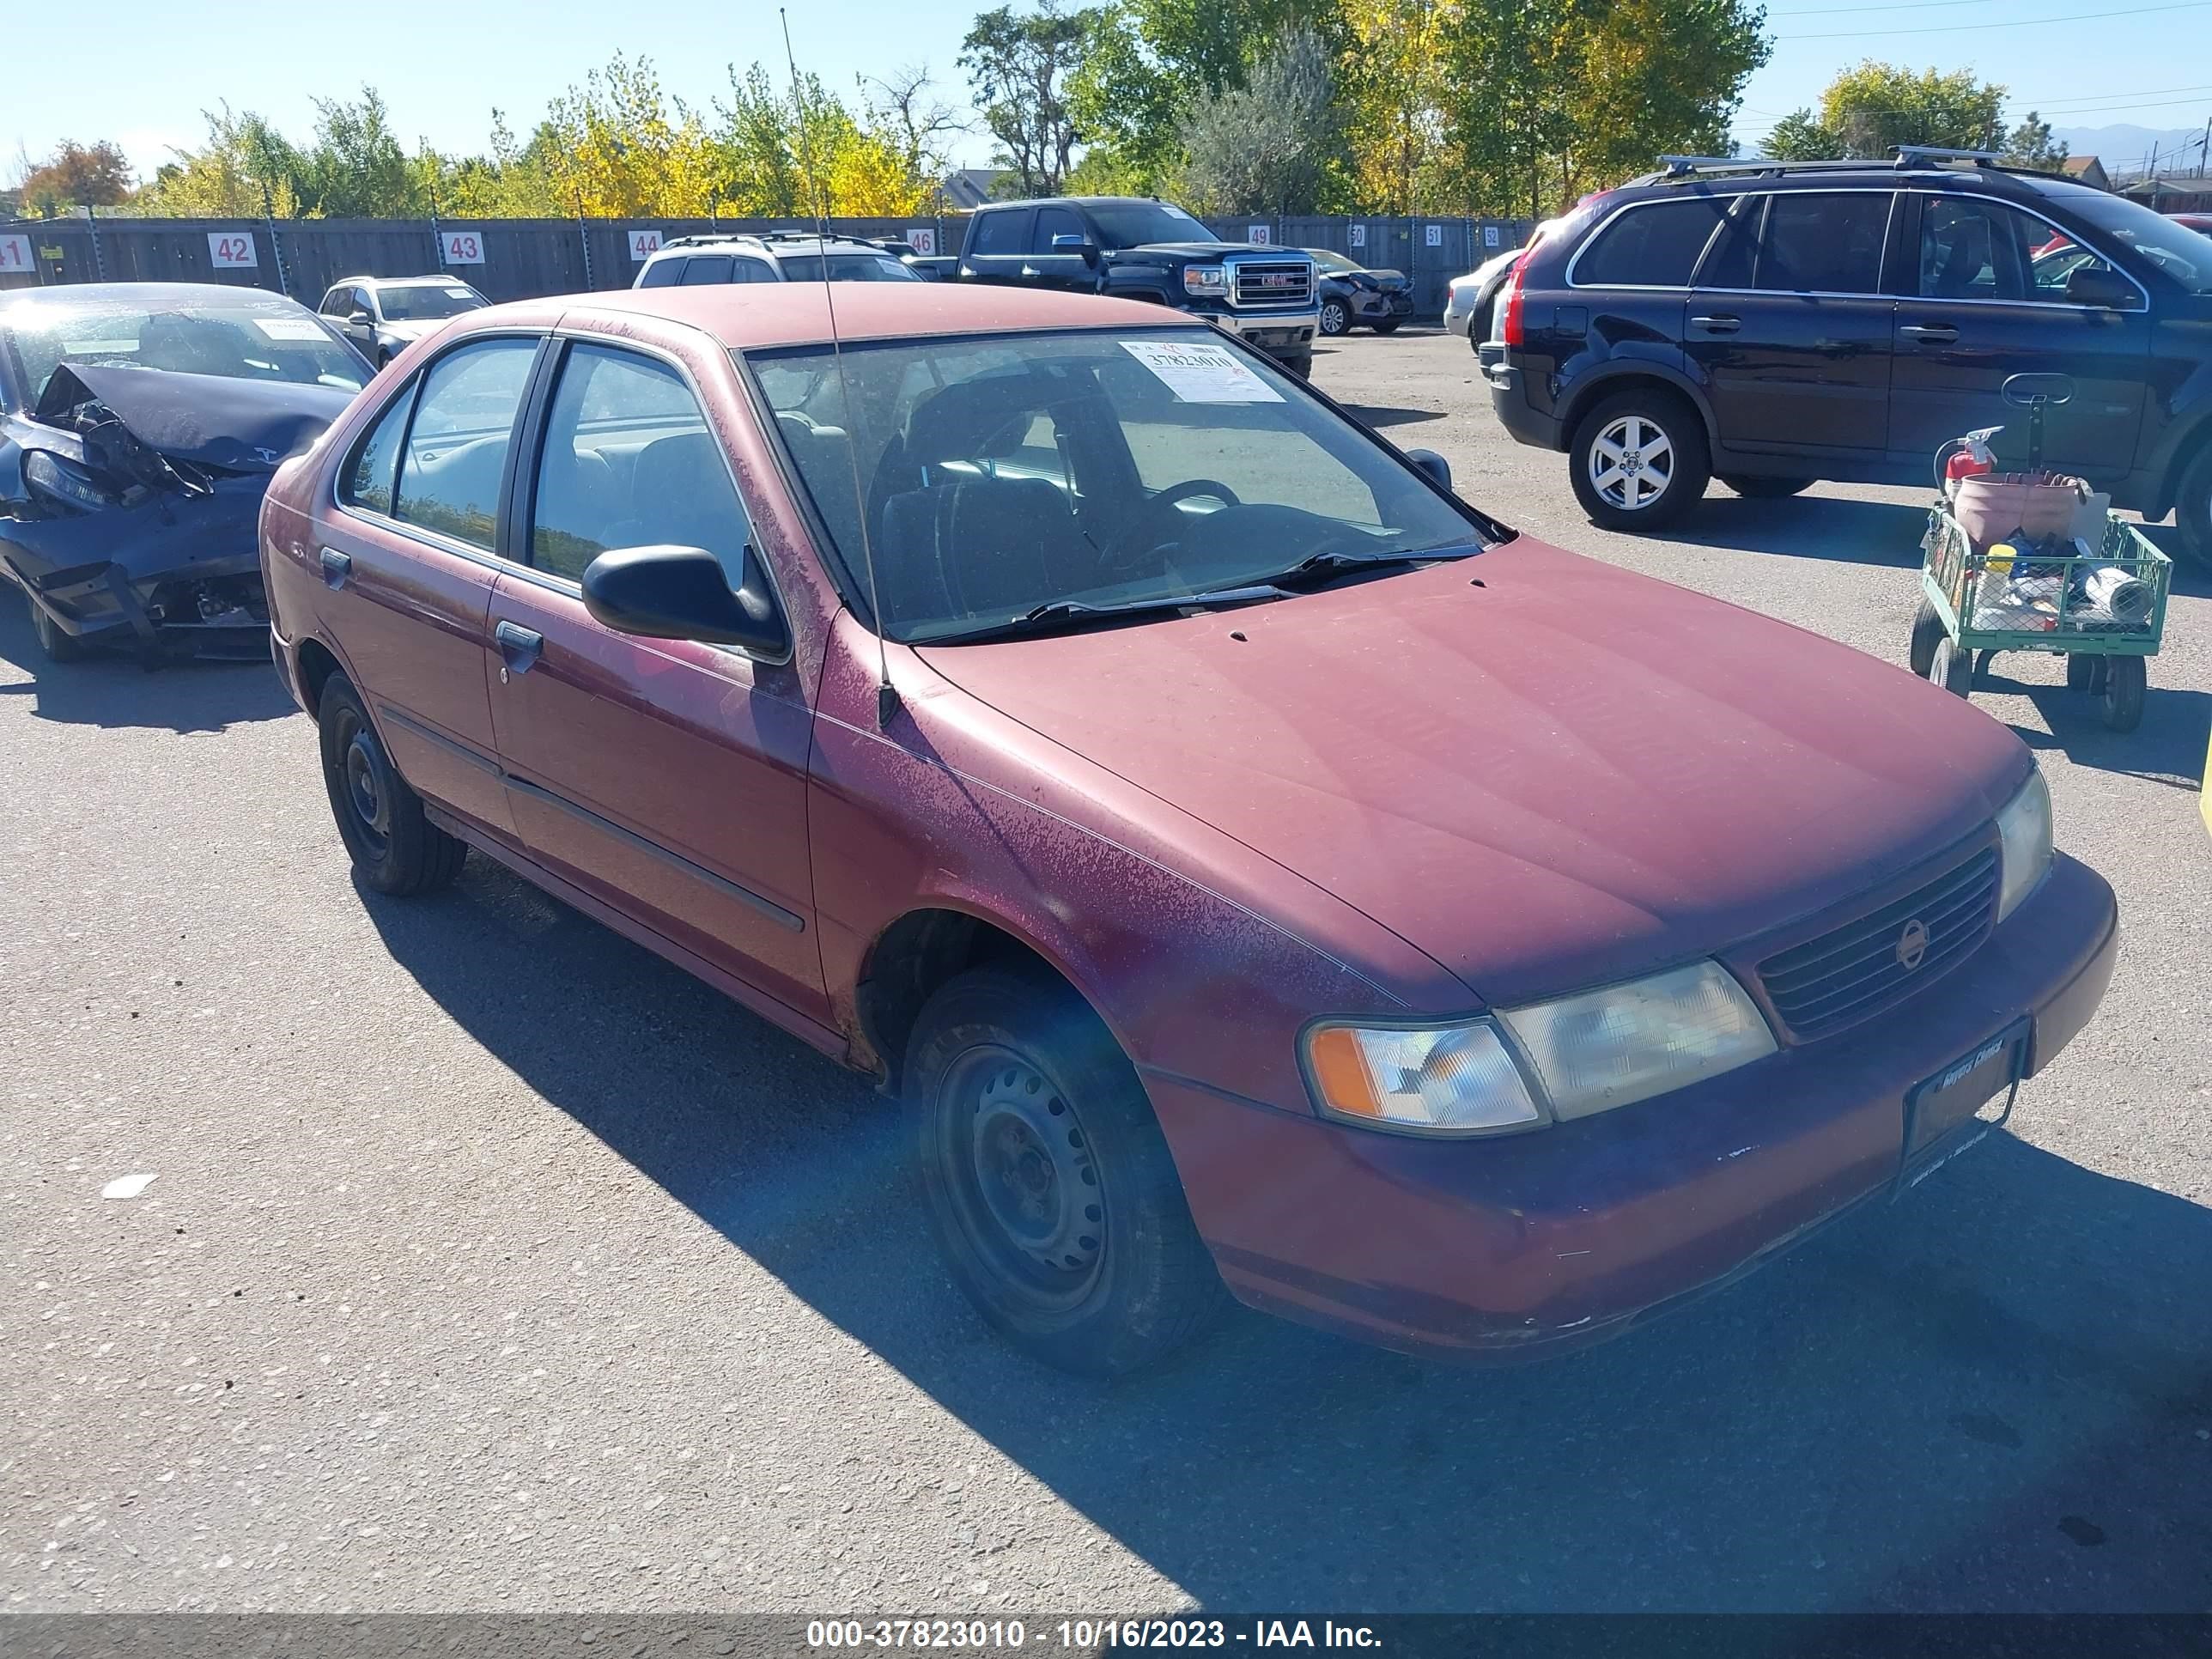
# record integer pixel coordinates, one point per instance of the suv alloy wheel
(1638, 461)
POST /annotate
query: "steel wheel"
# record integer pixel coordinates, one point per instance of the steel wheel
(1632, 464)
(368, 792)
(1334, 319)
(393, 845)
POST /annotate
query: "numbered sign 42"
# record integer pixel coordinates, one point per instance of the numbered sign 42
(461, 247)
(232, 250)
(922, 238)
(643, 245)
(15, 253)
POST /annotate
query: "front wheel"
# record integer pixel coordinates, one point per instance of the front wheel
(1334, 319)
(1638, 461)
(1301, 366)
(1927, 629)
(1951, 668)
(1048, 1183)
(56, 643)
(1389, 325)
(395, 847)
(2125, 683)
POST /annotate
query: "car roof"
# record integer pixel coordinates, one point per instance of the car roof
(754, 242)
(751, 315)
(1738, 177)
(428, 279)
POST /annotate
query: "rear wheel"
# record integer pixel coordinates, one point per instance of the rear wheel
(1927, 629)
(1389, 326)
(395, 847)
(2081, 673)
(1638, 461)
(2124, 685)
(1049, 1185)
(1767, 490)
(2195, 515)
(1951, 668)
(1334, 319)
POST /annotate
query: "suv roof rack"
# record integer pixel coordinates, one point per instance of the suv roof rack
(1911, 155)
(1677, 169)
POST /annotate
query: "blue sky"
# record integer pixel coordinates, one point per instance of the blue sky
(143, 74)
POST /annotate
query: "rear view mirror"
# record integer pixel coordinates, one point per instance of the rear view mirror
(681, 594)
(2100, 286)
(1433, 466)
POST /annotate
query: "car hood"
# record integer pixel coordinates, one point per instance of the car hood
(1564, 776)
(214, 420)
(1212, 250)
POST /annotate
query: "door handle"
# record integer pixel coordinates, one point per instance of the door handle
(1031, 270)
(1717, 325)
(336, 566)
(517, 647)
(1928, 333)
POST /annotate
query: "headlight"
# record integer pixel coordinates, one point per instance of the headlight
(1600, 1049)
(1439, 1080)
(1205, 279)
(2023, 832)
(63, 481)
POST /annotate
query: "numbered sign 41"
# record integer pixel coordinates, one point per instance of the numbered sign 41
(461, 247)
(643, 245)
(15, 253)
(232, 250)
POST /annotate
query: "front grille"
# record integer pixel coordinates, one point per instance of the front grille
(1272, 284)
(1853, 971)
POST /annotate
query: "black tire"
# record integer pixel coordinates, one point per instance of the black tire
(1477, 325)
(1951, 668)
(1927, 629)
(1768, 489)
(2081, 672)
(56, 643)
(396, 849)
(1389, 326)
(1335, 319)
(1049, 1185)
(2194, 513)
(2124, 685)
(1681, 437)
(1301, 366)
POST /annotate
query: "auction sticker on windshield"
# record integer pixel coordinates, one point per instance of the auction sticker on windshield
(290, 328)
(1201, 372)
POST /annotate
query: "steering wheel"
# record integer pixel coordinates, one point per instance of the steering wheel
(1145, 532)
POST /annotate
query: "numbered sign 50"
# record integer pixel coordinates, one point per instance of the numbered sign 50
(15, 253)
(462, 248)
(643, 245)
(232, 250)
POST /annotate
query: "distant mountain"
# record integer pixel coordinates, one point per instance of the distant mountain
(2123, 146)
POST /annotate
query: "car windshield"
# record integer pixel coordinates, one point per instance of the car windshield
(1134, 224)
(2184, 255)
(846, 268)
(427, 302)
(1331, 261)
(254, 337)
(1093, 470)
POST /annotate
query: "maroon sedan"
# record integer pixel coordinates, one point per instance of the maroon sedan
(1248, 863)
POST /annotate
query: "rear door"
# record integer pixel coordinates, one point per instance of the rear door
(998, 245)
(1790, 328)
(1972, 312)
(1047, 268)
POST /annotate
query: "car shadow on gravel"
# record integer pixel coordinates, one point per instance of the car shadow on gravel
(1804, 528)
(1995, 1393)
(1379, 415)
(2168, 748)
(111, 688)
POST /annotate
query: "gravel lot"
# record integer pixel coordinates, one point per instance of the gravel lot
(490, 1263)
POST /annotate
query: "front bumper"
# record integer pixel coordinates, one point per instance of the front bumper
(1278, 333)
(1511, 1247)
(1383, 305)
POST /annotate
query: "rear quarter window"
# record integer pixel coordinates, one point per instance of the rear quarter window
(1650, 245)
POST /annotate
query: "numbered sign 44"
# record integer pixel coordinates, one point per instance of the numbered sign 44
(461, 247)
(15, 253)
(643, 245)
(232, 250)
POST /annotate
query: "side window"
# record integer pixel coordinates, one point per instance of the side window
(363, 300)
(662, 273)
(1654, 246)
(752, 270)
(367, 482)
(630, 462)
(707, 267)
(335, 302)
(456, 454)
(1005, 230)
(1053, 221)
(1971, 249)
(1821, 243)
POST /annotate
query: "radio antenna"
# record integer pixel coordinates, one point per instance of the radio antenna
(887, 697)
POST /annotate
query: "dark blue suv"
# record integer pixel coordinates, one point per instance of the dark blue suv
(1771, 324)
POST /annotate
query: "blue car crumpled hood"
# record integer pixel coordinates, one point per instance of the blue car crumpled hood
(213, 420)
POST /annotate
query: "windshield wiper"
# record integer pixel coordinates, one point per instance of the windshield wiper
(1335, 561)
(1060, 613)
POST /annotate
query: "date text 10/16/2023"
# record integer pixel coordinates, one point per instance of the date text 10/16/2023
(1086, 1634)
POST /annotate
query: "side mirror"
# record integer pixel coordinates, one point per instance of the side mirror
(2100, 286)
(1432, 467)
(360, 319)
(1082, 247)
(681, 594)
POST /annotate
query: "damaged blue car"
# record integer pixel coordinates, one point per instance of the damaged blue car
(140, 423)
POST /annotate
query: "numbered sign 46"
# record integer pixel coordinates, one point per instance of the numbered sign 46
(232, 250)
(643, 245)
(15, 253)
(462, 248)
(1261, 234)
(922, 238)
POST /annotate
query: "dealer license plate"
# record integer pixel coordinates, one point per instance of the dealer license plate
(1947, 1108)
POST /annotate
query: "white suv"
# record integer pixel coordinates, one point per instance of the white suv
(776, 255)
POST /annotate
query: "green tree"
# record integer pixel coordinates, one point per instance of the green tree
(1867, 111)
(1271, 144)
(2031, 145)
(1513, 70)
(357, 167)
(75, 175)
(1799, 137)
(1018, 66)
(246, 167)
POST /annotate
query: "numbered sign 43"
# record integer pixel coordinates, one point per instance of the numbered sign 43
(15, 253)
(922, 238)
(461, 247)
(643, 245)
(232, 250)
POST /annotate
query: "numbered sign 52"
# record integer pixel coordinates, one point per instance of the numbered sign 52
(462, 248)
(1489, 236)
(922, 238)
(232, 250)
(1261, 234)
(15, 253)
(643, 245)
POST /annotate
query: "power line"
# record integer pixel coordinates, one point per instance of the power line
(2008, 23)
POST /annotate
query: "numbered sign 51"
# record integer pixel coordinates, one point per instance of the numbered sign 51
(922, 238)
(232, 250)
(15, 253)
(1436, 237)
(643, 245)
(1262, 233)
(461, 247)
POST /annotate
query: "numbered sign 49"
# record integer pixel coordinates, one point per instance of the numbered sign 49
(643, 245)
(15, 253)
(922, 238)
(1261, 234)
(461, 247)
(232, 250)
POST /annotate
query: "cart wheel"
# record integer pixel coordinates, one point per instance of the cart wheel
(1951, 668)
(1927, 629)
(1982, 661)
(2081, 672)
(2123, 693)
